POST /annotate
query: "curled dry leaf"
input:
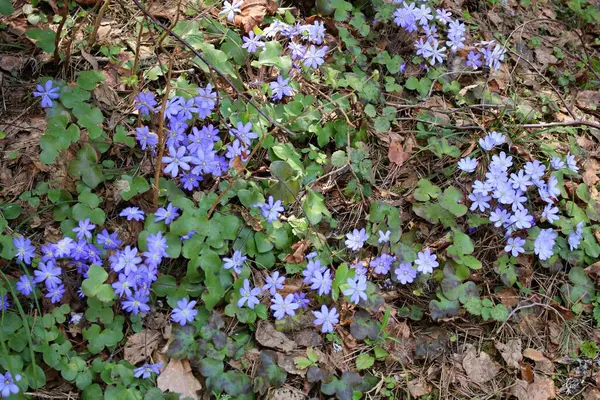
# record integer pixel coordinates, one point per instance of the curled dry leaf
(299, 251)
(591, 171)
(141, 345)
(286, 393)
(479, 369)
(511, 352)
(418, 387)
(541, 389)
(541, 362)
(267, 336)
(177, 377)
(399, 153)
(587, 100)
(253, 12)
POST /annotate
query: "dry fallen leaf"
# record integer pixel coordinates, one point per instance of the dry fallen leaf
(511, 352)
(541, 362)
(527, 373)
(544, 56)
(286, 393)
(479, 369)
(508, 297)
(177, 377)
(299, 252)
(418, 387)
(253, 12)
(267, 336)
(141, 345)
(541, 389)
(591, 394)
(591, 171)
(588, 99)
(398, 153)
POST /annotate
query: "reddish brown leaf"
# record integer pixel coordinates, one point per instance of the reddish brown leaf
(526, 372)
(253, 12)
(300, 249)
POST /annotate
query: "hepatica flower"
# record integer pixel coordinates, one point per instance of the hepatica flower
(177, 159)
(474, 60)
(274, 283)
(55, 293)
(230, 9)
(248, 295)
(467, 164)
(64, 247)
(321, 281)
(4, 303)
(356, 239)
(167, 215)
(314, 57)
(443, 16)
(544, 244)
(25, 285)
(205, 100)
(381, 265)
(326, 318)
(252, 42)
(25, 251)
(84, 229)
(312, 266)
(146, 370)
(244, 132)
(426, 261)
(76, 318)
(575, 236)
(316, 32)
(557, 163)
(500, 217)
(137, 303)
(281, 88)
(515, 246)
(271, 209)
(132, 213)
(479, 201)
(384, 237)
(145, 103)
(434, 52)
(405, 273)
(8, 386)
(572, 163)
(502, 161)
(301, 300)
(296, 50)
(47, 92)
(128, 260)
(48, 273)
(146, 138)
(109, 241)
(184, 312)
(357, 289)
(550, 213)
(236, 262)
(283, 306)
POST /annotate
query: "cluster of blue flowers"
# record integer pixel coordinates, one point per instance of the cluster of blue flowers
(505, 195)
(135, 274)
(192, 154)
(419, 18)
(304, 45)
(320, 279)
